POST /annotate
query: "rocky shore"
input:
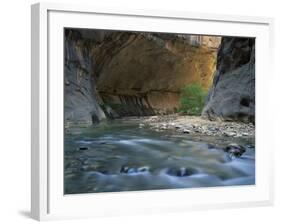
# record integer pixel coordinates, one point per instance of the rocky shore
(198, 125)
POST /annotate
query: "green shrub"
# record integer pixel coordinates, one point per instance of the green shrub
(192, 99)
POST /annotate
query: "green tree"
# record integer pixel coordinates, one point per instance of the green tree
(192, 99)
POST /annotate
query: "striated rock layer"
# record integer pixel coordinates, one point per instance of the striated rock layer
(142, 74)
(232, 96)
(113, 73)
(81, 99)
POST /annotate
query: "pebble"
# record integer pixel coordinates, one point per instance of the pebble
(200, 126)
(185, 131)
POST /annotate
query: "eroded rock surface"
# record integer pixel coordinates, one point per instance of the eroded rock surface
(110, 74)
(142, 74)
(82, 101)
(232, 96)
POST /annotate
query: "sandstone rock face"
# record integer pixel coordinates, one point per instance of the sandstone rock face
(232, 95)
(110, 74)
(142, 74)
(81, 103)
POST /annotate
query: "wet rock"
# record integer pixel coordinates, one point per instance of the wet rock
(130, 170)
(186, 131)
(143, 169)
(105, 172)
(234, 150)
(181, 172)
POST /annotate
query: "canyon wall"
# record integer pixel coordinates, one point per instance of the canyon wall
(143, 73)
(109, 74)
(232, 95)
(81, 99)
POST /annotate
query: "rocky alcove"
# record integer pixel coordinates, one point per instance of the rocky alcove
(112, 74)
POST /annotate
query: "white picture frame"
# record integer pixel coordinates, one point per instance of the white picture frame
(48, 201)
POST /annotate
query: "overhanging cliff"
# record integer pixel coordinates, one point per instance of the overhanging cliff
(114, 73)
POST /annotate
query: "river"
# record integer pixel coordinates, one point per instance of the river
(120, 156)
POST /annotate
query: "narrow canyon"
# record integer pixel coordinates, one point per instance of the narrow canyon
(111, 74)
(148, 111)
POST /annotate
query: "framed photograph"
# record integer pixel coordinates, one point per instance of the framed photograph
(138, 111)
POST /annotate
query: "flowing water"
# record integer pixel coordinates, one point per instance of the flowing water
(121, 156)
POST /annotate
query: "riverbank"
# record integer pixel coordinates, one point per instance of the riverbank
(192, 125)
(197, 125)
